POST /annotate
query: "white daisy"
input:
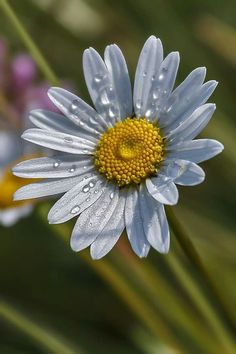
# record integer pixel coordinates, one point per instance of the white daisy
(117, 165)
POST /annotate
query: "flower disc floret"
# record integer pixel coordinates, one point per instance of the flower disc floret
(130, 151)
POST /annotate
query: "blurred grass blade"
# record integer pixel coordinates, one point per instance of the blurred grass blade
(29, 43)
(45, 338)
(205, 306)
(195, 259)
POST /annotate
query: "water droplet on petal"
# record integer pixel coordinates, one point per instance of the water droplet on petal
(91, 184)
(72, 169)
(144, 74)
(96, 191)
(155, 94)
(104, 98)
(99, 77)
(138, 104)
(148, 113)
(74, 106)
(160, 77)
(86, 188)
(75, 209)
(88, 199)
(111, 112)
(153, 77)
(112, 195)
(56, 164)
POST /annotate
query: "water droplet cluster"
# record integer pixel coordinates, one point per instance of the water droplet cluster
(130, 151)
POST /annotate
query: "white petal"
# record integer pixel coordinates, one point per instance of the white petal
(163, 189)
(10, 216)
(192, 126)
(164, 84)
(10, 147)
(195, 150)
(59, 141)
(117, 68)
(187, 106)
(134, 225)
(93, 220)
(183, 97)
(154, 221)
(76, 200)
(78, 111)
(63, 165)
(46, 188)
(111, 232)
(189, 173)
(147, 70)
(105, 92)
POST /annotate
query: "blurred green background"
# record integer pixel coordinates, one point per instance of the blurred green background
(76, 301)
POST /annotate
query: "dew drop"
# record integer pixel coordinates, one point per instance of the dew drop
(88, 199)
(155, 94)
(138, 104)
(104, 98)
(160, 77)
(144, 74)
(149, 113)
(68, 140)
(74, 106)
(56, 164)
(91, 184)
(75, 209)
(85, 151)
(153, 77)
(99, 77)
(86, 188)
(112, 195)
(72, 169)
(111, 112)
(96, 191)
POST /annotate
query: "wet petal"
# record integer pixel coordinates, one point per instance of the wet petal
(77, 199)
(154, 221)
(147, 71)
(163, 189)
(134, 225)
(111, 232)
(195, 150)
(63, 165)
(93, 220)
(59, 141)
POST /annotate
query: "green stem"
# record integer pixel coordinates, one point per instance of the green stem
(46, 339)
(207, 310)
(192, 254)
(29, 43)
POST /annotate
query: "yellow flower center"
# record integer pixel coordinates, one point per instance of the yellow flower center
(8, 185)
(130, 151)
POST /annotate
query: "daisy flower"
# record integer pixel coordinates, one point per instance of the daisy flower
(117, 165)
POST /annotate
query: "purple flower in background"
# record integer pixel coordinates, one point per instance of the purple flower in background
(20, 92)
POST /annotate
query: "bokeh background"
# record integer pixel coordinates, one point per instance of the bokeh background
(55, 301)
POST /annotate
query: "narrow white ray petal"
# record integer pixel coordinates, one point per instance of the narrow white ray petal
(183, 97)
(191, 105)
(52, 121)
(163, 85)
(61, 165)
(78, 111)
(111, 232)
(46, 188)
(163, 189)
(59, 141)
(146, 73)
(189, 173)
(77, 199)
(120, 80)
(134, 225)
(154, 221)
(93, 220)
(195, 150)
(193, 125)
(105, 94)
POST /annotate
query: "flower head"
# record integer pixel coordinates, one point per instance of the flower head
(118, 164)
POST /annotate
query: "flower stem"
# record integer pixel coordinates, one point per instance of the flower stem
(192, 254)
(48, 340)
(29, 43)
